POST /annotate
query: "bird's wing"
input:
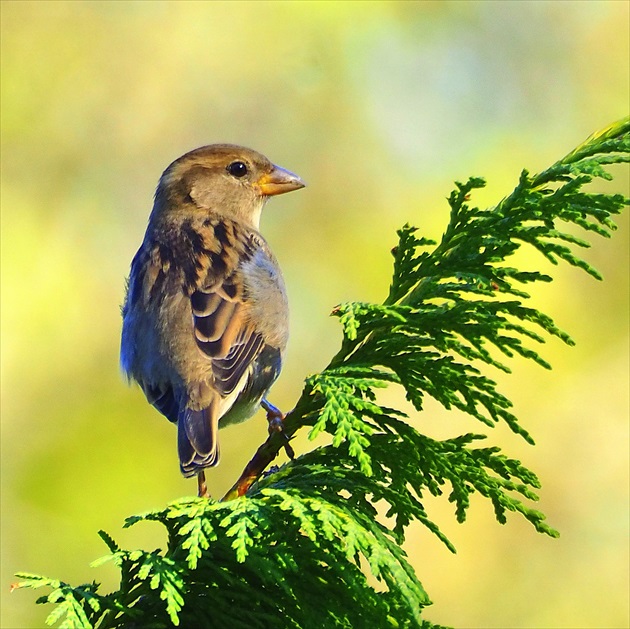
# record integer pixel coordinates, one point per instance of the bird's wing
(224, 334)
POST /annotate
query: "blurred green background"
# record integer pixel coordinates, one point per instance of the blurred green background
(379, 106)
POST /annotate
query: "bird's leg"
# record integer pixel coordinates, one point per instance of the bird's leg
(275, 417)
(201, 484)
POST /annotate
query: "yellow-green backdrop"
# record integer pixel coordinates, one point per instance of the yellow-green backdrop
(379, 106)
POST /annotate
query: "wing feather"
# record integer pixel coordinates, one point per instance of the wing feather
(226, 337)
(228, 371)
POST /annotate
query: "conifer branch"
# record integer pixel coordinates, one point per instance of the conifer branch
(292, 548)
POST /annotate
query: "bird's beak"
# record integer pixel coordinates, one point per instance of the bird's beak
(279, 181)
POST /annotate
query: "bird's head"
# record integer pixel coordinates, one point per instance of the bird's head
(231, 180)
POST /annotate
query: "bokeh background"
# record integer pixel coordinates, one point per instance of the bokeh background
(379, 106)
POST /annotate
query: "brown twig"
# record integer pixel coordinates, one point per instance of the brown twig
(276, 441)
(267, 452)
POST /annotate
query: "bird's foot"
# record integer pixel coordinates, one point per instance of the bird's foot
(275, 419)
(275, 416)
(201, 485)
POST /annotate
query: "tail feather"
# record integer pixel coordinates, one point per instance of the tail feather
(197, 439)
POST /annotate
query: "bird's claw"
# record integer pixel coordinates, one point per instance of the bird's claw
(275, 419)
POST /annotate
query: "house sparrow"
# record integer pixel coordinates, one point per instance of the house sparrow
(205, 318)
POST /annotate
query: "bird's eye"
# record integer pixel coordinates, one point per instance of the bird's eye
(237, 169)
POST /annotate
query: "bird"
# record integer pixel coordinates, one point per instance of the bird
(205, 313)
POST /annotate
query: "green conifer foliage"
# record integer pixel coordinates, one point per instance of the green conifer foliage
(295, 550)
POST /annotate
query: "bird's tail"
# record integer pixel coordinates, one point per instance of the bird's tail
(198, 439)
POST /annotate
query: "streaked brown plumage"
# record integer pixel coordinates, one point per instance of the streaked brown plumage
(205, 319)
